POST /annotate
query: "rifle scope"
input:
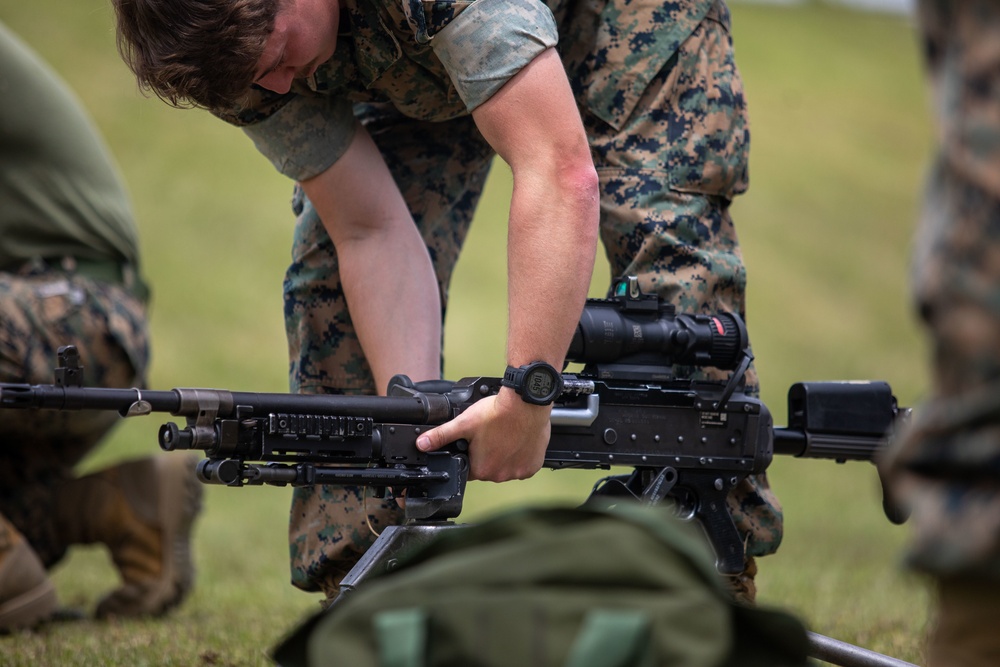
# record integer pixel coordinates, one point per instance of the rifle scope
(611, 330)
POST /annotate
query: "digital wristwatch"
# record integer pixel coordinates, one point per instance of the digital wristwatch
(537, 383)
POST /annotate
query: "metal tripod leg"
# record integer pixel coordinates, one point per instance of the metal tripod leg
(383, 555)
(841, 653)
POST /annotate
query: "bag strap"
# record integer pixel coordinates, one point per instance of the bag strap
(608, 638)
(401, 635)
(612, 638)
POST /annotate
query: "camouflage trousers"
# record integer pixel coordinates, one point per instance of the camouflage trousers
(44, 309)
(946, 467)
(658, 222)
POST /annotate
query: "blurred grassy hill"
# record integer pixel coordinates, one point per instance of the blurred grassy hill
(840, 141)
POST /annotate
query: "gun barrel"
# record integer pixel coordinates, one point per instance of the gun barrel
(418, 409)
(840, 421)
(792, 442)
(54, 397)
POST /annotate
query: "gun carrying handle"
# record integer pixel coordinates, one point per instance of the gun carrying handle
(577, 417)
(402, 385)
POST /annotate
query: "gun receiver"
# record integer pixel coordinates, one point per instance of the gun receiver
(688, 442)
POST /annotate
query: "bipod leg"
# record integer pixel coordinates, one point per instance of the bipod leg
(841, 653)
(383, 555)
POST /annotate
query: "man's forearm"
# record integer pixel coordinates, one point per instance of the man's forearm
(552, 242)
(392, 295)
(385, 269)
(534, 125)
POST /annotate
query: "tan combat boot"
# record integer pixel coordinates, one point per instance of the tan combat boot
(27, 596)
(143, 511)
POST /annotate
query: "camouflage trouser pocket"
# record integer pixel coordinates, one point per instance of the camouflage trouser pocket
(682, 246)
(708, 128)
(689, 122)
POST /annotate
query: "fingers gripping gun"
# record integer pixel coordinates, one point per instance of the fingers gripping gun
(690, 442)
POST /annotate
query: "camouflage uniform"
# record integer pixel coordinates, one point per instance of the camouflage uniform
(663, 106)
(68, 275)
(946, 467)
(43, 309)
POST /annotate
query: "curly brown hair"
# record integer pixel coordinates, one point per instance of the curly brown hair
(195, 53)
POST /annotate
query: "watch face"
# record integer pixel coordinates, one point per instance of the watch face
(539, 383)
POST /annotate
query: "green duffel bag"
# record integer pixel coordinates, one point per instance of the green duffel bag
(552, 587)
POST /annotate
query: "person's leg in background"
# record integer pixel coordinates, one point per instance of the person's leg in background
(440, 169)
(670, 161)
(945, 468)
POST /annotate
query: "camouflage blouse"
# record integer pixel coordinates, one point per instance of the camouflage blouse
(439, 59)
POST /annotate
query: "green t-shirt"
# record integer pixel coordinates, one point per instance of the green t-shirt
(60, 191)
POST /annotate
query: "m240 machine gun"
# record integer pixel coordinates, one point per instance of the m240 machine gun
(686, 441)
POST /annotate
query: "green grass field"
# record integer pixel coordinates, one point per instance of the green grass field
(841, 138)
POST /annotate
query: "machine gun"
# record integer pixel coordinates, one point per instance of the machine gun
(686, 441)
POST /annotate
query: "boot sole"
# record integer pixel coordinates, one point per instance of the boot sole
(29, 609)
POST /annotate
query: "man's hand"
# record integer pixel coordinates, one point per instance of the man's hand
(517, 435)
(385, 269)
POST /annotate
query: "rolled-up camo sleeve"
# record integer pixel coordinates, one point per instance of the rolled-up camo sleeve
(490, 42)
(305, 136)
